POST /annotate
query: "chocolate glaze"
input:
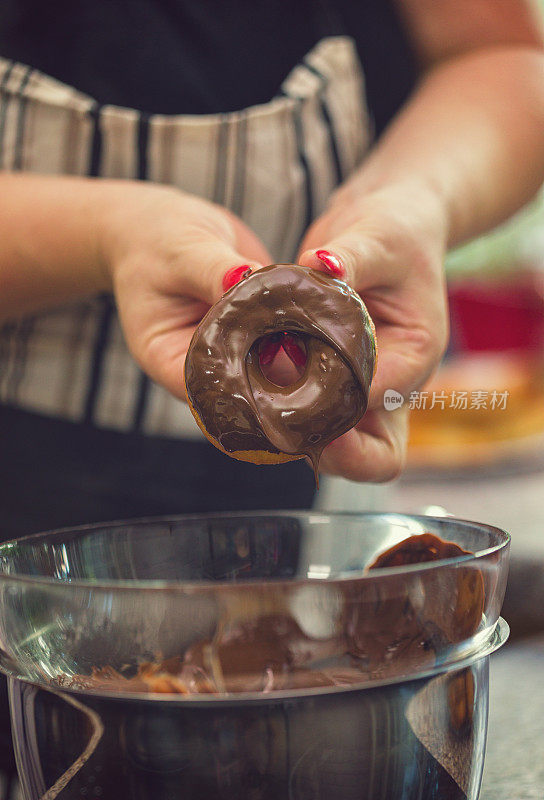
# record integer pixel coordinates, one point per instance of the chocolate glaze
(406, 629)
(245, 412)
(382, 632)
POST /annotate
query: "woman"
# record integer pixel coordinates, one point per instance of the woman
(203, 138)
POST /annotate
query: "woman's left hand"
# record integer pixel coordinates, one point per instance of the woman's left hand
(390, 246)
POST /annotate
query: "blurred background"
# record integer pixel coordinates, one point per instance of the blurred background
(477, 452)
(482, 457)
(477, 428)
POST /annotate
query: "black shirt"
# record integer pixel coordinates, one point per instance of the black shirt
(201, 56)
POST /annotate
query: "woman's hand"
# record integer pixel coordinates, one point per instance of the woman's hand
(465, 152)
(169, 256)
(166, 255)
(390, 245)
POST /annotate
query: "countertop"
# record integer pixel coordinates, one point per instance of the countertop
(514, 764)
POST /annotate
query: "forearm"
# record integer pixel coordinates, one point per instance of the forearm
(49, 243)
(469, 145)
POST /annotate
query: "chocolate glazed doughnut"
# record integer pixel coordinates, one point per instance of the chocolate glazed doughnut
(240, 410)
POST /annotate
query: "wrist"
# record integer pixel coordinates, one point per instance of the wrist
(50, 251)
(111, 220)
(130, 224)
(98, 213)
(414, 205)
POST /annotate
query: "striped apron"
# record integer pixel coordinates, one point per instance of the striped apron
(274, 165)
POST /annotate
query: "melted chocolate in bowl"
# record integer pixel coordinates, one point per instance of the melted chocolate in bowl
(265, 650)
(301, 656)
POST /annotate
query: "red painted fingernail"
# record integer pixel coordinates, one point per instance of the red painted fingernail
(293, 350)
(267, 352)
(234, 275)
(333, 263)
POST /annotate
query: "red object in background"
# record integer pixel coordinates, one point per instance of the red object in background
(498, 314)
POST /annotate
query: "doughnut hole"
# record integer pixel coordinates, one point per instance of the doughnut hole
(282, 357)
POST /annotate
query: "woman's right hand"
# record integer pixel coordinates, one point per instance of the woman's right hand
(169, 256)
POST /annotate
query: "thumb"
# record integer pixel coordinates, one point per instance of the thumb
(217, 260)
(354, 258)
(211, 266)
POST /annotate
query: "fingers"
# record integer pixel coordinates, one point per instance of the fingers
(167, 367)
(407, 357)
(208, 267)
(375, 451)
(403, 289)
(359, 260)
(213, 254)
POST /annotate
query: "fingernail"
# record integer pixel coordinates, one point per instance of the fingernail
(234, 275)
(333, 263)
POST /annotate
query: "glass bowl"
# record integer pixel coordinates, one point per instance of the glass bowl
(301, 664)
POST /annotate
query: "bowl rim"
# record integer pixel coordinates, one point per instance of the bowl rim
(496, 637)
(193, 587)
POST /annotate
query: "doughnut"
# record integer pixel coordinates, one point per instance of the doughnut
(325, 328)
